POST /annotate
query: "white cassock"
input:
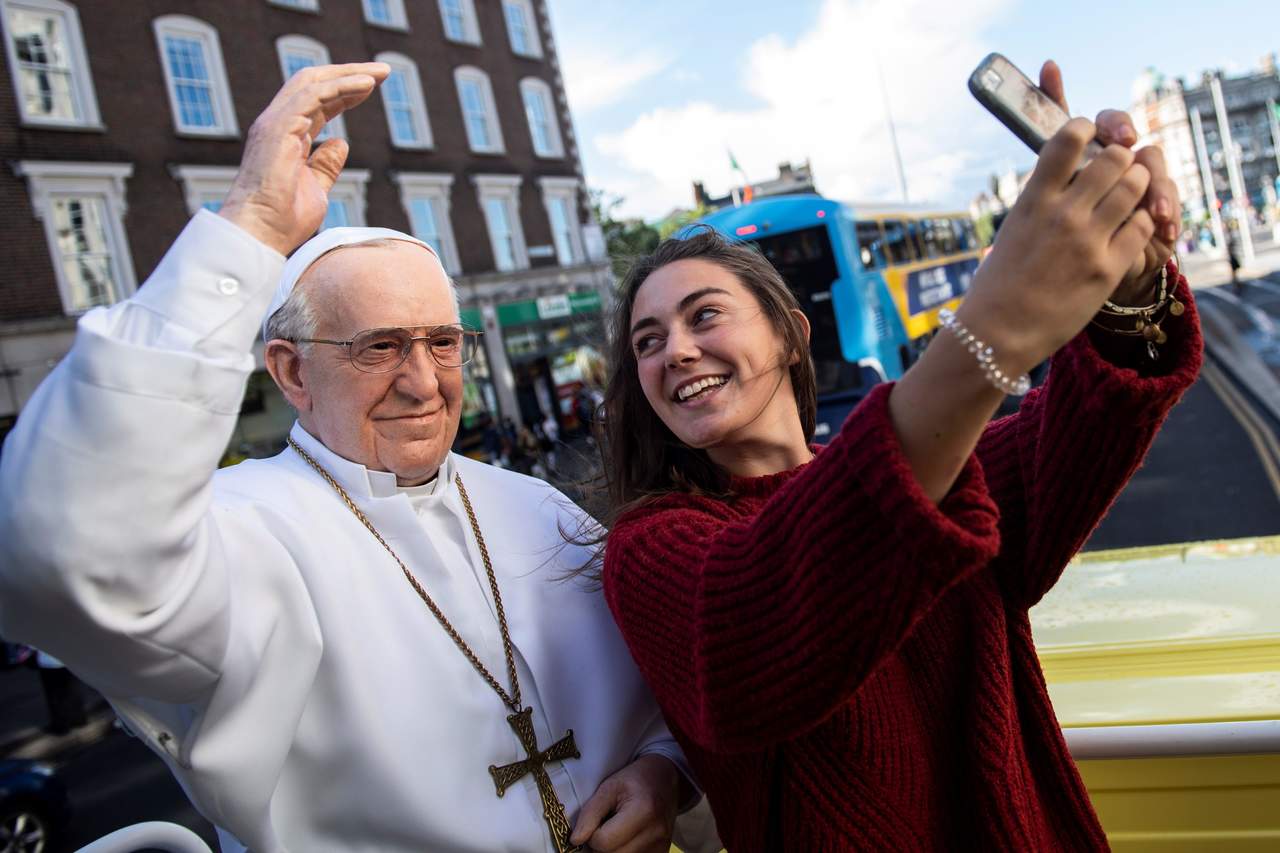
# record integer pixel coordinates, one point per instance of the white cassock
(255, 634)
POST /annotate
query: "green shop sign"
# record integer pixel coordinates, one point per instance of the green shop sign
(545, 308)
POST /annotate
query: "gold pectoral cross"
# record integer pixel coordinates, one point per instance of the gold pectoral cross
(507, 775)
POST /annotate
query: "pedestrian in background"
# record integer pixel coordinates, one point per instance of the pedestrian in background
(839, 637)
(63, 695)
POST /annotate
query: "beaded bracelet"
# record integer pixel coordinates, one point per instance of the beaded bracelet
(1011, 385)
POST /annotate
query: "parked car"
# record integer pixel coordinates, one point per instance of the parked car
(1164, 669)
(33, 806)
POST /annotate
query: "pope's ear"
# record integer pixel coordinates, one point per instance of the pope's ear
(284, 363)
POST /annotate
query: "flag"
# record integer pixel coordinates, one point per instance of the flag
(733, 162)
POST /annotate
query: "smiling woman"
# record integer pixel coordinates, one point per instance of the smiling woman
(840, 636)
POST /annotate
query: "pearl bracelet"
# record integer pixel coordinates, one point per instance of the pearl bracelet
(1011, 385)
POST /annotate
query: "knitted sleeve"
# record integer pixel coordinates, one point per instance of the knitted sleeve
(1056, 466)
(753, 628)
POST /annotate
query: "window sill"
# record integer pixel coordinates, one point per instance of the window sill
(291, 8)
(536, 57)
(28, 124)
(465, 42)
(395, 28)
(490, 152)
(551, 156)
(215, 135)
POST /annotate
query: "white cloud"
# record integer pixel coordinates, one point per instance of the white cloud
(820, 98)
(599, 77)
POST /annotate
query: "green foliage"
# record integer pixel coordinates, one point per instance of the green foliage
(625, 239)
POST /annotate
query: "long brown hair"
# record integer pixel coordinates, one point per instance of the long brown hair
(641, 458)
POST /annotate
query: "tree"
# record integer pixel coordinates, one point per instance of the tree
(625, 239)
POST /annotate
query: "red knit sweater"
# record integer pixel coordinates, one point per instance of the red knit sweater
(850, 666)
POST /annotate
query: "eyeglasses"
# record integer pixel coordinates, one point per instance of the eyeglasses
(383, 350)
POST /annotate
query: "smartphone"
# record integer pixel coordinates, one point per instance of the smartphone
(1021, 105)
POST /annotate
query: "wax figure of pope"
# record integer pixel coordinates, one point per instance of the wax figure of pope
(267, 628)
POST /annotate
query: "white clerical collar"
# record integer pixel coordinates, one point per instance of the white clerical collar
(359, 480)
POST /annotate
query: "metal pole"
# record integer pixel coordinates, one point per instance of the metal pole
(1274, 118)
(893, 133)
(1239, 198)
(1206, 177)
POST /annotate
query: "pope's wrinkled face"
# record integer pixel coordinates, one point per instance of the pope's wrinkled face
(403, 421)
(710, 362)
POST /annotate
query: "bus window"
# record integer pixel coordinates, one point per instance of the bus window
(944, 236)
(806, 262)
(915, 239)
(971, 235)
(870, 245)
(930, 245)
(899, 249)
(961, 235)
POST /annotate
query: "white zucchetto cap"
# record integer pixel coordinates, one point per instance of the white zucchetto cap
(324, 243)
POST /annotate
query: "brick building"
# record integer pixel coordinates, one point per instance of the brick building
(119, 121)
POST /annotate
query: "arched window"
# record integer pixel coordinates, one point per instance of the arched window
(522, 27)
(298, 52)
(195, 75)
(386, 13)
(459, 19)
(49, 66)
(479, 112)
(406, 108)
(540, 110)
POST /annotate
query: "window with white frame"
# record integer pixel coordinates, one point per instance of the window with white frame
(500, 201)
(347, 200)
(49, 65)
(522, 27)
(305, 5)
(196, 76)
(298, 52)
(540, 110)
(204, 187)
(479, 111)
(82, 206)
(386, 13)
(406, 108)
(459, 18)
(560, 197)
(425, 196)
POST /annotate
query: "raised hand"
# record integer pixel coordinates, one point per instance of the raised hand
(1161, 200)
(1066, 245)
(281, 192)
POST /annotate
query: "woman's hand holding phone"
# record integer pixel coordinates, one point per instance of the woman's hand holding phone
(1161, 201)
(1074, 239)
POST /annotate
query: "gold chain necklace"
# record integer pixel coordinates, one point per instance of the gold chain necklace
(521, 722)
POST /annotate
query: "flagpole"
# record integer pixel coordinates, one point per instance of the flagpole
(893, 133)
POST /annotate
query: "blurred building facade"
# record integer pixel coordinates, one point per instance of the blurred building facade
(119, 121)
(791, 179)
(1220, 125)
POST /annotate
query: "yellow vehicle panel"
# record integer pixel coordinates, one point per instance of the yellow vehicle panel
(895, 279)
(1164, 669)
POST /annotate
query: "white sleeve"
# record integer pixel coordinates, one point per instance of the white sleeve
(109, 554)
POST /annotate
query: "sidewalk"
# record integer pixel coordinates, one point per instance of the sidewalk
(1205, 270)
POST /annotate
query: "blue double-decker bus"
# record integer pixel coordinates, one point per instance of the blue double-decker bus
(870, 278)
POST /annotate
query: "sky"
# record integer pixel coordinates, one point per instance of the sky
(661, 90)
